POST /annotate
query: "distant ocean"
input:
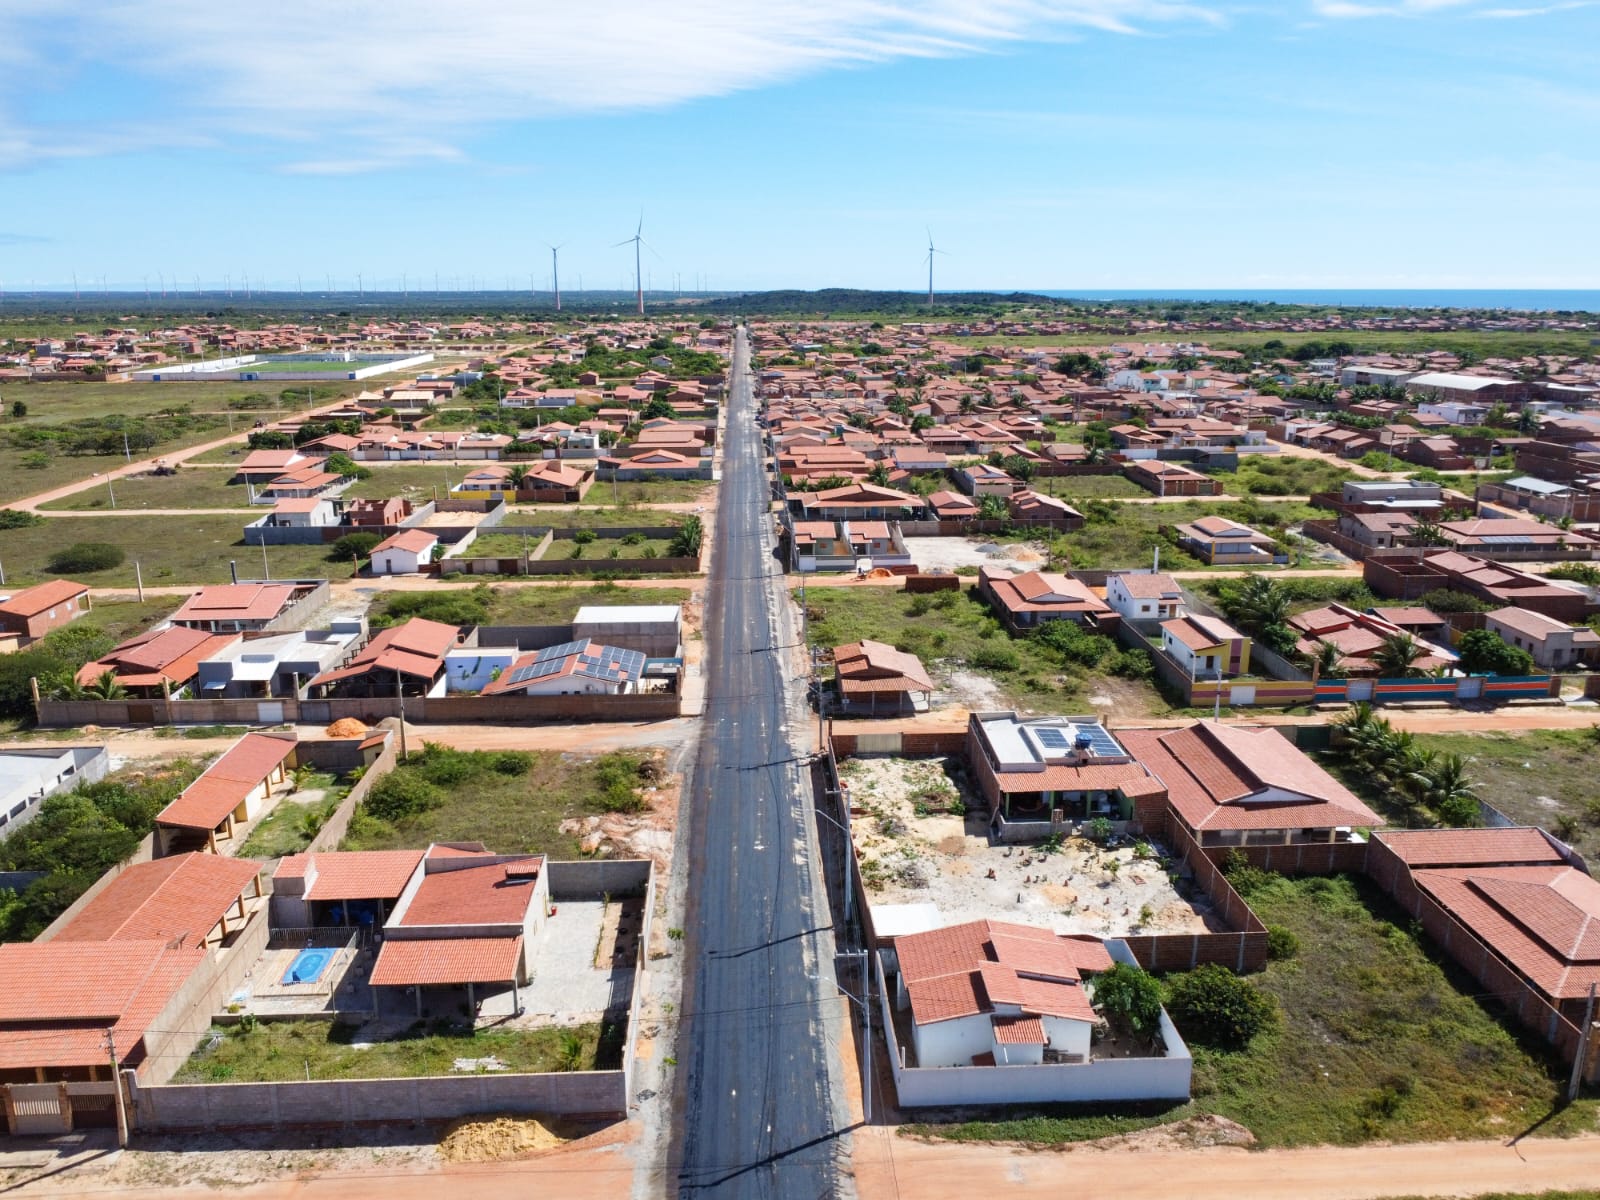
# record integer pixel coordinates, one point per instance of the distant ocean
(1524, 299)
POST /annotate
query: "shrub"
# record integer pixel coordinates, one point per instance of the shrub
(400, 794)
(35, 460)
(83, 557)
(353, 545)
(618, 777)
(1214, 1007)
(16, 518)
(1245, 878)
(511, 762)
(1281, 943)
(1099, 830)
(1128, 997)
(450, 608)
(995, 658)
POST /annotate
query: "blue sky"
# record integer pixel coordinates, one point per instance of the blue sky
(802, 143)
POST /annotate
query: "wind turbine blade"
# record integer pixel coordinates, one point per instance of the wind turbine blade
(623, 242)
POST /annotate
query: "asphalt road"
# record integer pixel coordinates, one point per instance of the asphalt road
(754, 1114)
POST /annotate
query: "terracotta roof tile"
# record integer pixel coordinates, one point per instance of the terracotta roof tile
(428, 961)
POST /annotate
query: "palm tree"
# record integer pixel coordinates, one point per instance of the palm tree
(1262, 602)
(1414, 779)
(1325, 659)
(1450, 792)
(1426, 533)
(106, 687)
(517, 476)
(65, 687)
(1396, 658)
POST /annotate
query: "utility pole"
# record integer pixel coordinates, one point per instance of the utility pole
(138, 580)
(1576, 1082)
(400, 695)
(116, 1082)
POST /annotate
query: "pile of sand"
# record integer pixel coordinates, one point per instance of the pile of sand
(346, 727)
(486, 1139)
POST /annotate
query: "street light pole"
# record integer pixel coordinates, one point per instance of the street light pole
(865, 1001)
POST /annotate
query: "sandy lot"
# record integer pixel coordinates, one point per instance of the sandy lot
(914, 850)
(948, 553)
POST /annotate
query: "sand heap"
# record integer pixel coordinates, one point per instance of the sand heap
(486, 1139)
(346, 727)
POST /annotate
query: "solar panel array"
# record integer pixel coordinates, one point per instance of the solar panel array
(608, 663)
(1088, 737)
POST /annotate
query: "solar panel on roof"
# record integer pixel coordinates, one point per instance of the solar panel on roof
(1051, 739)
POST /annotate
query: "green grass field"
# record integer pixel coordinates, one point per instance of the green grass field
(1379, 1039)
(505, 604)
(1268, 475)
(1544, 777)
(654, 491)
(962, 632)
(198, 487)
(600, 550)
(1089, 487)
(417, 482)
(1124, 535)
(279, 1051)
(123, 619)
(510, 814)
(585, 516)
(170, 550)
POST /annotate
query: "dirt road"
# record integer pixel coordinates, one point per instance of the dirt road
(889, 1166)
(1450, 720)
(140, 744)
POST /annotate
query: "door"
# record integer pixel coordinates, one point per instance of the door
(269, 712)
(1358, 690)
(1470, 688)
(1242, 694)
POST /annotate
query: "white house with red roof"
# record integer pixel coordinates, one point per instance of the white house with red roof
(991, 993)
(990, 1012)
(404, 553)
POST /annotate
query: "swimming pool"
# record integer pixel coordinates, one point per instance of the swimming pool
(309, 965)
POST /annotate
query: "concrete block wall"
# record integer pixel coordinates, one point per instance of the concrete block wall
(352, 1102)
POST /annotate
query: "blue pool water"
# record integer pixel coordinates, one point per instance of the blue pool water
(308, 966)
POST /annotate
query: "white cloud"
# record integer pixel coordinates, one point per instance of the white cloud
(369, 76)
(1346, 9)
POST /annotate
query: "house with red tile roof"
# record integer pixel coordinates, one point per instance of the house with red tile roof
(1232, 786)
(1358, 636)
(404, 553)
(1027, 601)
(1218, 540)
(1519, 907)
(464, 920)
(30, 613)
(1145, 596)
(259, 605)
(996, 994)
(407, 658)
(876, 680)
(1044, 774)
(1171, 479)
(161, 662)
(196, 899)
(233, 791)
(1205, 647)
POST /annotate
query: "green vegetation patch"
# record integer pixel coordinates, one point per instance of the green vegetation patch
(169, 549)
(511, 801)
(1042, 672)
(1544, 777)
(75, 837)
(1379, 1038)
(282, 1051)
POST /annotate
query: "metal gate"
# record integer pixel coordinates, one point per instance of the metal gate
(94, 1110)
(1470, 688)
(38, 1111)
(1242, 695)
(1357, 690)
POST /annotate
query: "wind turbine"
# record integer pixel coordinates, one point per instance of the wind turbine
(638, 264)
(932, 250)
(555, 269)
